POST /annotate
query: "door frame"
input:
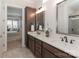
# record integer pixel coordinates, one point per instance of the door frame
(23, 24)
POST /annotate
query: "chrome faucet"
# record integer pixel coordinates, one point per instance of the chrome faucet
(64, 39)
(71, 42)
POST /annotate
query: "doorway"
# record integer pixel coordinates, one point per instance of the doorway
(14, 28)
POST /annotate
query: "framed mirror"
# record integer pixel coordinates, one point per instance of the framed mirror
(68, 17)
(40, 20)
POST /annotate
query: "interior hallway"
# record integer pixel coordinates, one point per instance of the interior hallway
(16, 51)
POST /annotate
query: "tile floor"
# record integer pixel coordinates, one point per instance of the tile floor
(14, 44)
(15, 51)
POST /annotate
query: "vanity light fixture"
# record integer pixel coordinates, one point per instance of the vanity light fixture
(43, 8)
(40, 10)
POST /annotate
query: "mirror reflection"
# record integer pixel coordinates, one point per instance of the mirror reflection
(68, 17)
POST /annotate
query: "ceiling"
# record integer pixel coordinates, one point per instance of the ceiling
(37, 0)
(38, 3)
(34, 1)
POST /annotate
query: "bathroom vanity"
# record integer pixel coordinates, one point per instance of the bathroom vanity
(46, 47)
(64, 43)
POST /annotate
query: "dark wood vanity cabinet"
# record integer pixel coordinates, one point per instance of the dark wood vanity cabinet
(38, 48)
(30, 19)
(35, 46)
(31, 43)
(47, 54)
(43, 50)
(52, 52)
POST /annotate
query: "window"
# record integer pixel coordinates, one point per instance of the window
(15, 25)
(9, 24)
(12, 25)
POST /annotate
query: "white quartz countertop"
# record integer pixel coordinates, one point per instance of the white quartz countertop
(72, 49)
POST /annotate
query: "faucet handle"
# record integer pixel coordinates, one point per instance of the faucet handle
(66, 40)
(71, 42)
(61, 38)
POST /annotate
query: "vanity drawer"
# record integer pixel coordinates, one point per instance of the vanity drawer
(47, 54)
(48, 47)
(38, 47)
(31, 43)
(55, 51)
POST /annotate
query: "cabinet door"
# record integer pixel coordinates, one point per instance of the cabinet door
(38, 51)
(47, 54)
(38, 48)
(32, 45)
(54, 51)
(29, 43)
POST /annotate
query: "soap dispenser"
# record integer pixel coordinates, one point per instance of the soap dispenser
(32, 28)
(47, 33)
(40, 27)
